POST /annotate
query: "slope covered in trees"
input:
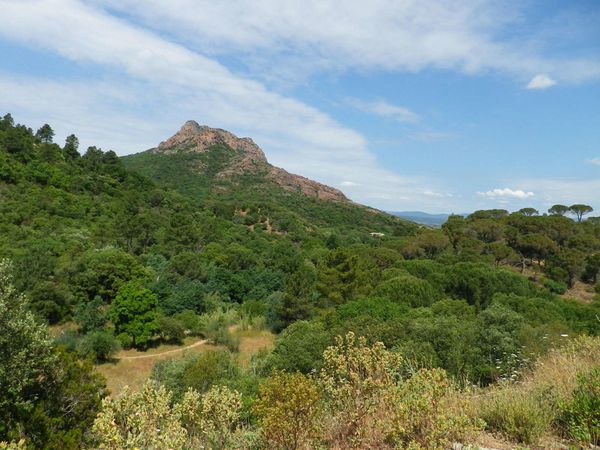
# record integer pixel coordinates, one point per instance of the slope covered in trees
(161, 246)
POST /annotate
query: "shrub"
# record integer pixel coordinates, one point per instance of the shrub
(300, 347)
(210, 419)
(209, 368)
(100, 345)
(222, 336)
(580, 417)
(518, 414)
(190, 321)
(428, 414)
(409, 290)
(139, 420)
(287, 409)
(558, 287)
(356, 379)
(215, 326)
(170, 329)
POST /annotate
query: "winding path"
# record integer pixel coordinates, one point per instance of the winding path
(154, 355)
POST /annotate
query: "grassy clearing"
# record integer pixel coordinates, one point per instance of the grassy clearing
(582, 292)
(251, 342)
(527, 412)
(134, 372)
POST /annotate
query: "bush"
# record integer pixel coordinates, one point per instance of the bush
(209, 368)
(100, 345)
(300, 347)
(223, 336)
(407, 289)
(170, 330)
(580, 417)
(427, 414)
(190, 321)
(518, 414)
(558, 287)
(287, 410)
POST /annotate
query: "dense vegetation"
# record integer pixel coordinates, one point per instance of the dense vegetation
(145, 250)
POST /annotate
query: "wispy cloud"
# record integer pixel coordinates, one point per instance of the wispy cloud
(506, 193)
(302, 36)
(541, 81)
(153, 85)
(594, 161)
(384, 109)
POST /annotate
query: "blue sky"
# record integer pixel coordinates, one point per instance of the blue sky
(404, 105)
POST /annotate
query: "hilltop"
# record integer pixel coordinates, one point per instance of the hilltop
(232, 176)
(222, 155)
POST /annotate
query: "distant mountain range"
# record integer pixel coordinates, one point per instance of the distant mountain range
(432, 220)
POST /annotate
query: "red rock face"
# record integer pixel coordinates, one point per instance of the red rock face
(194, 138)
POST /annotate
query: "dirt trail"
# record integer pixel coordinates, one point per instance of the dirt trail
(154, 355)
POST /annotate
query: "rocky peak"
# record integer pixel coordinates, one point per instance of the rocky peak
(195, 138)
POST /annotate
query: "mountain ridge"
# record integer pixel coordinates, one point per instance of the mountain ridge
(248, 158)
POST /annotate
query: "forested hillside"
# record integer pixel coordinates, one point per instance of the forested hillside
(383, 327)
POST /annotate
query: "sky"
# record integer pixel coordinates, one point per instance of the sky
(427, 105)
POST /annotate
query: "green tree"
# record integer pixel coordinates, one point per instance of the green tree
(71, 147)
(99, 345)
(91, 315)
(408, 290)
(45, 134)
(135, 312)
(579, 211)
(300, 347)
(558, 210)
(528, 211)
(592, 268)
(26, 357)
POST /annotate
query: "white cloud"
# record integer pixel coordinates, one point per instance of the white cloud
(566, 191)
(299, 36)
(506, 193)
(431, 193)
(541, 81)
(153, 85)
(384, 109)
(594, 161)
(349, 184)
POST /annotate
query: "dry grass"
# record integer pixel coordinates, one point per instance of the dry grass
(57, 330)
(581, 291)
(134, 372)
(532, 401)
(252, 341)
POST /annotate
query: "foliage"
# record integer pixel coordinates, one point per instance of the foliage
(200, 372)
(26, 358)
(519, 415)
(170, 329)
(427, 413)
(356, 379)
(134, 313)
(139, 420)
(211, 419)
(288, 407)
(100, 345)
(300, 347)
(580, 417)
(149, 419)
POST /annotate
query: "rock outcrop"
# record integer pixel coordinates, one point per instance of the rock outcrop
(249, 158)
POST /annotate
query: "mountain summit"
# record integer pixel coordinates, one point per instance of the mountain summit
(223, 155)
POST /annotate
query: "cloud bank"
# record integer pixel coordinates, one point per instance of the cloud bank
(507, 193)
